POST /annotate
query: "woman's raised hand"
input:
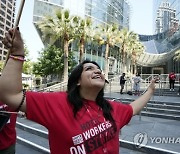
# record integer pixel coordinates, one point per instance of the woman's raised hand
(152, 84)
(13, 41)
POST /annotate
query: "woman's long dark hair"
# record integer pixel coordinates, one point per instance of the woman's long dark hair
(77, 101)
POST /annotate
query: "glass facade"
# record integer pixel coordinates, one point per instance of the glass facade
(108, 11)
(100, 11)
(45, 8)
(166, 40)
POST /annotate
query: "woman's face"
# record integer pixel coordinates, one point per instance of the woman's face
(91, 76)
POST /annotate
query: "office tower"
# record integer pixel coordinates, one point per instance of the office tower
(7, 16)
(167, 19)
(100, 11)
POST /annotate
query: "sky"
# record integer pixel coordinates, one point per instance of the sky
(140, 22)
(141, 19)
(28, 31)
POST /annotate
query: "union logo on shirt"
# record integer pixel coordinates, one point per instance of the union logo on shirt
(92, 138)
(77, 139)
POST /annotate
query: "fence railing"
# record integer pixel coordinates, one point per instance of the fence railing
(163, 83)
(114, 84)
(57, 87)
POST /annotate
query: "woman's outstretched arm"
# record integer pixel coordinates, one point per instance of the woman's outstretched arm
(11, 77)
(141, 102)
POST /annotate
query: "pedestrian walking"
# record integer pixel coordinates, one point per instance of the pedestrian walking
(122, 82)
(80, 120)
(172, 78)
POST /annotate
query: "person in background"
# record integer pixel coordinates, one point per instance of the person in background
(172, 78)
(179, 87)
(79, 120)
(7, 131)
(122, 82)
(136, 85)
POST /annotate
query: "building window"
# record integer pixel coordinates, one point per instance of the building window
(5, 52)
(3, 7)
(8, 23)
(10, 6)
(3, 1)
(9, 11)
(2, 13)
(8, 17)
(1, 32)
(7, 28)
(2, 19)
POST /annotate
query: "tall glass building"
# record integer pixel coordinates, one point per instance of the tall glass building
(166, 16)
(7, 16)
(161, 46)
(100, 12)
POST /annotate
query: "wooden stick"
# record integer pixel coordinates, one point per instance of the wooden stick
(9, 112)
(19, 13)
(16, 25)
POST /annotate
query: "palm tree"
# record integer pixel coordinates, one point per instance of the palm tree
(83, 32)
(177, 55)
(126, 38)
(137, 49)
(61, 26)
(107, 35)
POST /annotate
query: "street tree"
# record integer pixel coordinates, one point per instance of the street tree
(126, 38)
(177, 55)
(83, 33)
(107, 35)
(60, 26)
(137, 48)
(50, 62)
(27, 66)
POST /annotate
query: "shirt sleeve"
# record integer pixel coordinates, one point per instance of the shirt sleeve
(122, 113)
(36, 107)
(43, 107)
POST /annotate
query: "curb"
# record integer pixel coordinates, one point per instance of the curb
(145, 149)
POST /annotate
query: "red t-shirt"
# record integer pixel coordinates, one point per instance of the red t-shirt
(8, 133)
(88, 133)
(172, 76)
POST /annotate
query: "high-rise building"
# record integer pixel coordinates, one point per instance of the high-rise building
(161, 46)
(166, 18)
(7, 16)
(100, 12)
(166, 15)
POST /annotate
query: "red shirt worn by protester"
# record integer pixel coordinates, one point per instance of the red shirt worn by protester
(88, 133)
(8, 132)
(172, 76)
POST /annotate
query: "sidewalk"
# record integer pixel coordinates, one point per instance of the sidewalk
(161, 133)
(164, 99)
